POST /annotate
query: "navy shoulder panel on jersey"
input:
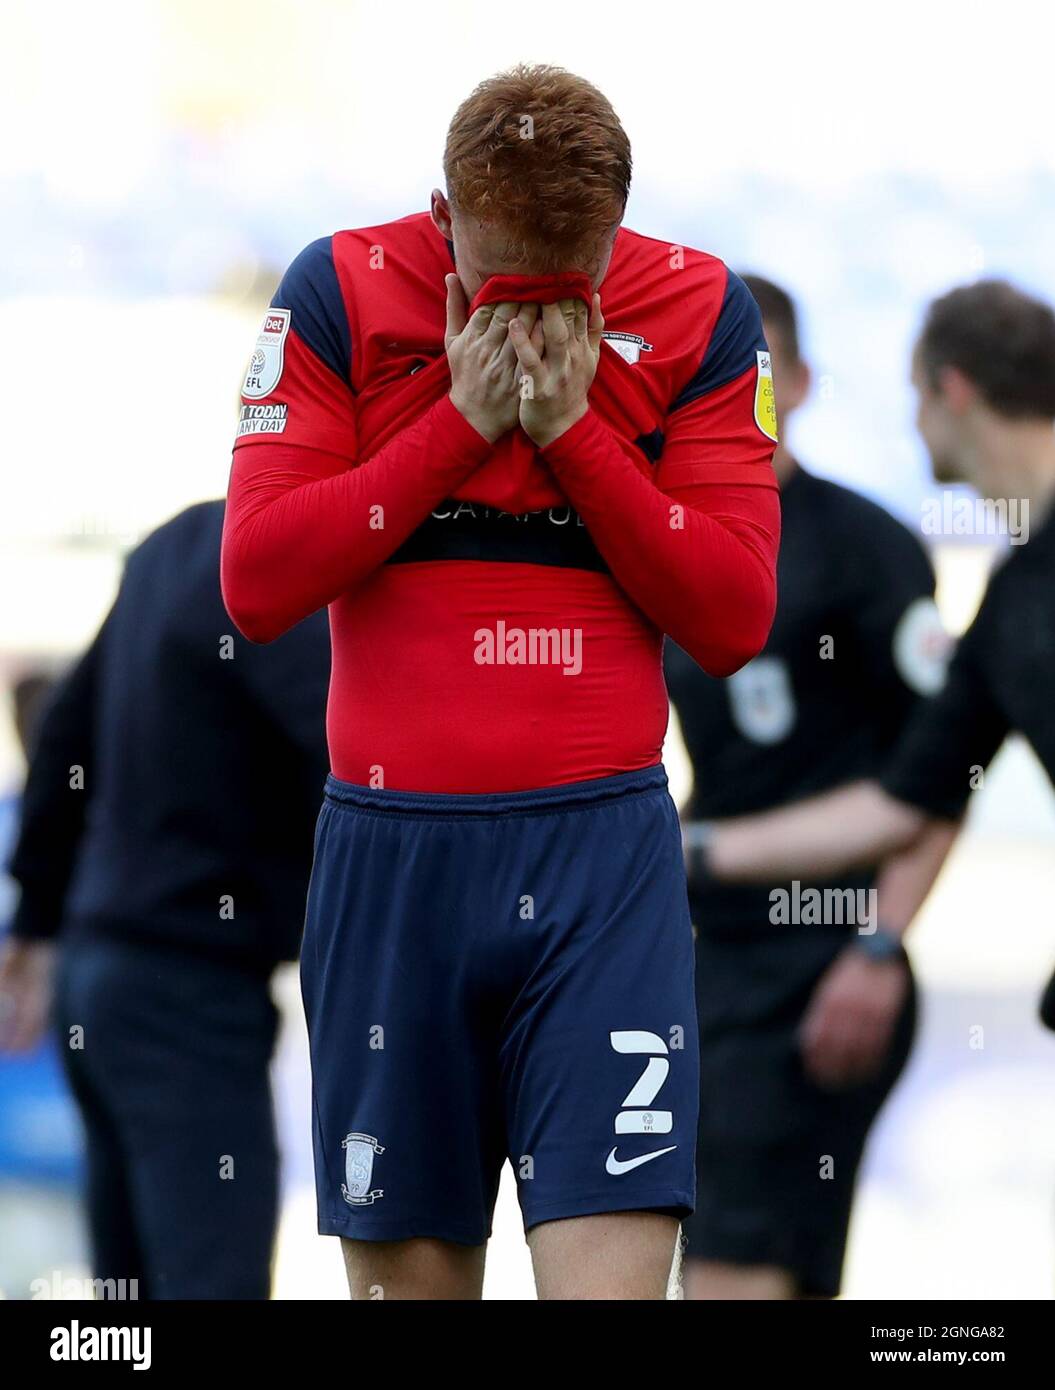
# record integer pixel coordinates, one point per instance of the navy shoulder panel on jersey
(311, 292)
(737, 337)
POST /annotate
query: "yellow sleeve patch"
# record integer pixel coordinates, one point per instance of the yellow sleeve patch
(765, 405)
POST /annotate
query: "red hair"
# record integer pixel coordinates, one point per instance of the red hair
(540, 154)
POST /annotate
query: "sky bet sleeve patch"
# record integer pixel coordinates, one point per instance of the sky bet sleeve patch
(765, 405)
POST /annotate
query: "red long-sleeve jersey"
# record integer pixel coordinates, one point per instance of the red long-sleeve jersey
(497, 612)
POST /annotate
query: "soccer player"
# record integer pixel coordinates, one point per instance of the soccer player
(170, 913)
(856, 642)
(984, 372)
(506, 500)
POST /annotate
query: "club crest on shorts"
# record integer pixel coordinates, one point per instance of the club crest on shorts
(359, 1151)
(265, 365)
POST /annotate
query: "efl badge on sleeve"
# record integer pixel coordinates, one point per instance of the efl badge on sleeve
(265, 365)
(765, 406)
(359, 1151)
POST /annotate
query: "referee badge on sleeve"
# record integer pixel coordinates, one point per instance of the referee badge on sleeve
(922, 647)
(765, 406)
(761, 700)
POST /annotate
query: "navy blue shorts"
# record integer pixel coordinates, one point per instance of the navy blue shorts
(499, 976)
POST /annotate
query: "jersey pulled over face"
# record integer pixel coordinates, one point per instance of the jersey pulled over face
(503, 629)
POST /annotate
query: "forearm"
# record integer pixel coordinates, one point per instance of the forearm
(707, 581)
(293, 541)
(853, 827)
(907, 876)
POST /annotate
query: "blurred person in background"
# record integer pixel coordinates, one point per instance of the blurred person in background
(29, 694)
(984, 372)
(855, 645)
(171, 912)
(39, 1133)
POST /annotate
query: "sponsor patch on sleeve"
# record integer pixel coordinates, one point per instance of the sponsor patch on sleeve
(765, 405)
(265, 365)
(263, 419)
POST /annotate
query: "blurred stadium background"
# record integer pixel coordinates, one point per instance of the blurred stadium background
(164, 159)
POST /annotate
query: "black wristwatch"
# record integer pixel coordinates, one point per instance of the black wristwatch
(881, 945)
(696, 837)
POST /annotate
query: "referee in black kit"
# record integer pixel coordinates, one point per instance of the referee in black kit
(855, 645)
(984, 370)
(167, 832)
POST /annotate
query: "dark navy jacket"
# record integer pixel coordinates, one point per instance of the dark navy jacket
(177, 773)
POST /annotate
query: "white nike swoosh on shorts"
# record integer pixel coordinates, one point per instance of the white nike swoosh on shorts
(616, 1166)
